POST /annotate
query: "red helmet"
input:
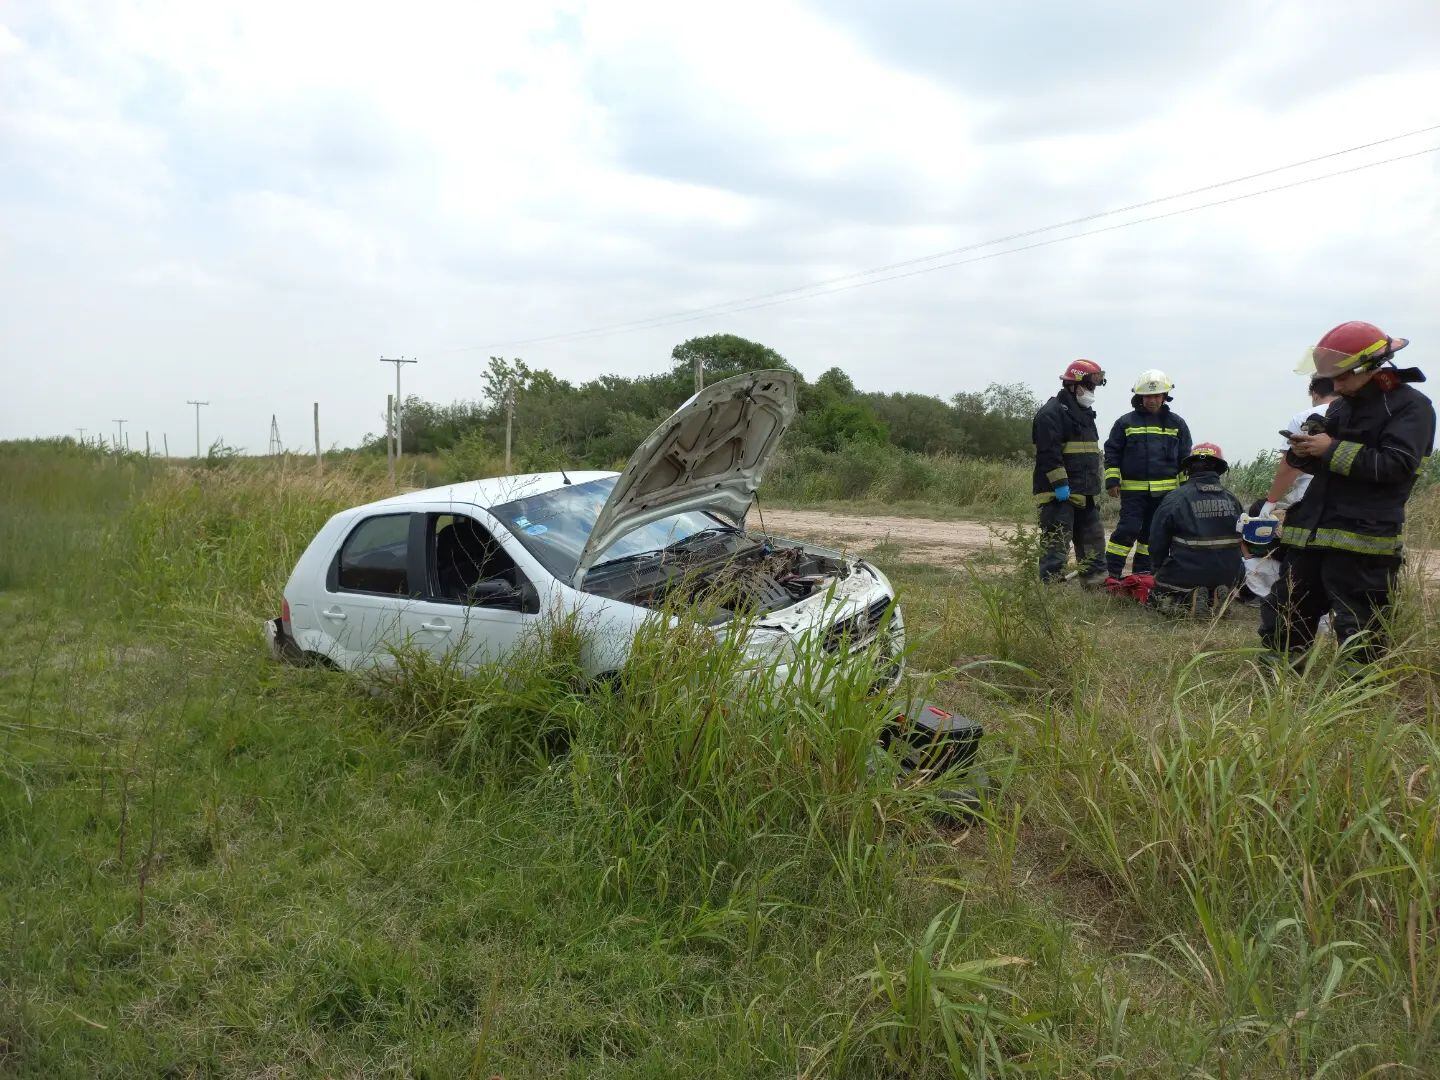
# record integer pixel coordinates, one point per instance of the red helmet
(1084, 371)
(1209, 452)
(1351, 346)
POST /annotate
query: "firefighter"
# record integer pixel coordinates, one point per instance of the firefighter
(1142, 466)
(1342, 542)
(1067, 475)
(1193, 540)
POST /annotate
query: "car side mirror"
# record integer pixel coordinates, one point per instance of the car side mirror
(499, 593)
(529, 598)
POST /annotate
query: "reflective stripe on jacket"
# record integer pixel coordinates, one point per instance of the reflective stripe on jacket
(1356, 499)
(1067, 449)
(1193, 541)
(1144, 450)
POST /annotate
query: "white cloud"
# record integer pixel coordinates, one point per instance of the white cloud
(260, 199)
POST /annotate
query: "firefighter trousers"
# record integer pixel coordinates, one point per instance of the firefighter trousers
(1355, 588)
(1137, 511)
(1063, 524)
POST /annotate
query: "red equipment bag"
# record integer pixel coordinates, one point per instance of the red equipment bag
(1132, 587)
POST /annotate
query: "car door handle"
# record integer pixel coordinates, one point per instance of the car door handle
(336, 614)
(438, 627)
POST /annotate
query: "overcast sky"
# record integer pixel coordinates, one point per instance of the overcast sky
(251, 203)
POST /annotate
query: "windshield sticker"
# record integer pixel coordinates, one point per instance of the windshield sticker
(522, 521)
(536, 530)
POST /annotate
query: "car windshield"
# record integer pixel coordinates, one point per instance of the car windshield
(554, 526)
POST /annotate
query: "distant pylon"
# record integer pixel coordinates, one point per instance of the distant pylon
(276, 449)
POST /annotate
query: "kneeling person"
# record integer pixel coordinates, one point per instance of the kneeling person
(1193, 539)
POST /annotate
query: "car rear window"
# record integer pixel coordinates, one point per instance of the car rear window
(375, 556)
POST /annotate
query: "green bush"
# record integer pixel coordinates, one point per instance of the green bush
(881, 474)
(472, 457)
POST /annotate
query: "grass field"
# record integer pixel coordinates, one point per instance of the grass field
(1188, 865)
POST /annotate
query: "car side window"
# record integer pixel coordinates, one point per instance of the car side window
(375, 556)
(468, 566)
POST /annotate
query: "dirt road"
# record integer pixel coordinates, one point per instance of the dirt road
(939, 543)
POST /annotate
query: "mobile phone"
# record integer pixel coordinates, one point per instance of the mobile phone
(1289, 434)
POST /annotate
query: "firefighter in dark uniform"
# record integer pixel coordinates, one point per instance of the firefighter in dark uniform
(1342, 541)
(1194, 541)
(1142, 466)
(1067, 475)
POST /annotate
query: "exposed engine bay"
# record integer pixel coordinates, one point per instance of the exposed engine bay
(750, 580)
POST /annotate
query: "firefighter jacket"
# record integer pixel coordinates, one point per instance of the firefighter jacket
(1356, 501)
(1144, 451)
(1067, 449)
(1193, 541)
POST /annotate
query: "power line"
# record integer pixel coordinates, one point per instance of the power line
(1063, 239)
(770, 299)
(814, 291)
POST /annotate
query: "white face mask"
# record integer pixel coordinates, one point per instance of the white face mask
(1085, 396)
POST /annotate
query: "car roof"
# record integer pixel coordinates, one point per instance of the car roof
(489, 492)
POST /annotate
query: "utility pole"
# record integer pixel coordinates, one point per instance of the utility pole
(699, 373)
(509, 425)
(399, 409)
(197, 405)
(167, 444)
(119, 436)
(82, 435)
(276, 449)
(319, 460)
(389, 441)
(147, 445)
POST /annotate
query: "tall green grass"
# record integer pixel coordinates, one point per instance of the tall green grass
(1187, 863)
(57, 499)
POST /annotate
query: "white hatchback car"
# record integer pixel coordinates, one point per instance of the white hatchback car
(474, 569)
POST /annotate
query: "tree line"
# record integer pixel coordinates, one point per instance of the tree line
(600, 422)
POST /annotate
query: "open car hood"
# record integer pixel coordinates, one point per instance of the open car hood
(709, 455)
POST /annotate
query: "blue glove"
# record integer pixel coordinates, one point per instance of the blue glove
(1062, 493)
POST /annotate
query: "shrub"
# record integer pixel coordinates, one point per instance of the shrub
(472, 457)
(885, 474)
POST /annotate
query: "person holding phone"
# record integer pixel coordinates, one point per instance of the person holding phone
(1289, 485)
(1342, 541)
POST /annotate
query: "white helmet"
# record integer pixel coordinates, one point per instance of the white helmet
(1153, 381)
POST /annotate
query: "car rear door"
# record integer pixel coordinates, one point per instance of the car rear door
(370, 582)
(462, 611)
